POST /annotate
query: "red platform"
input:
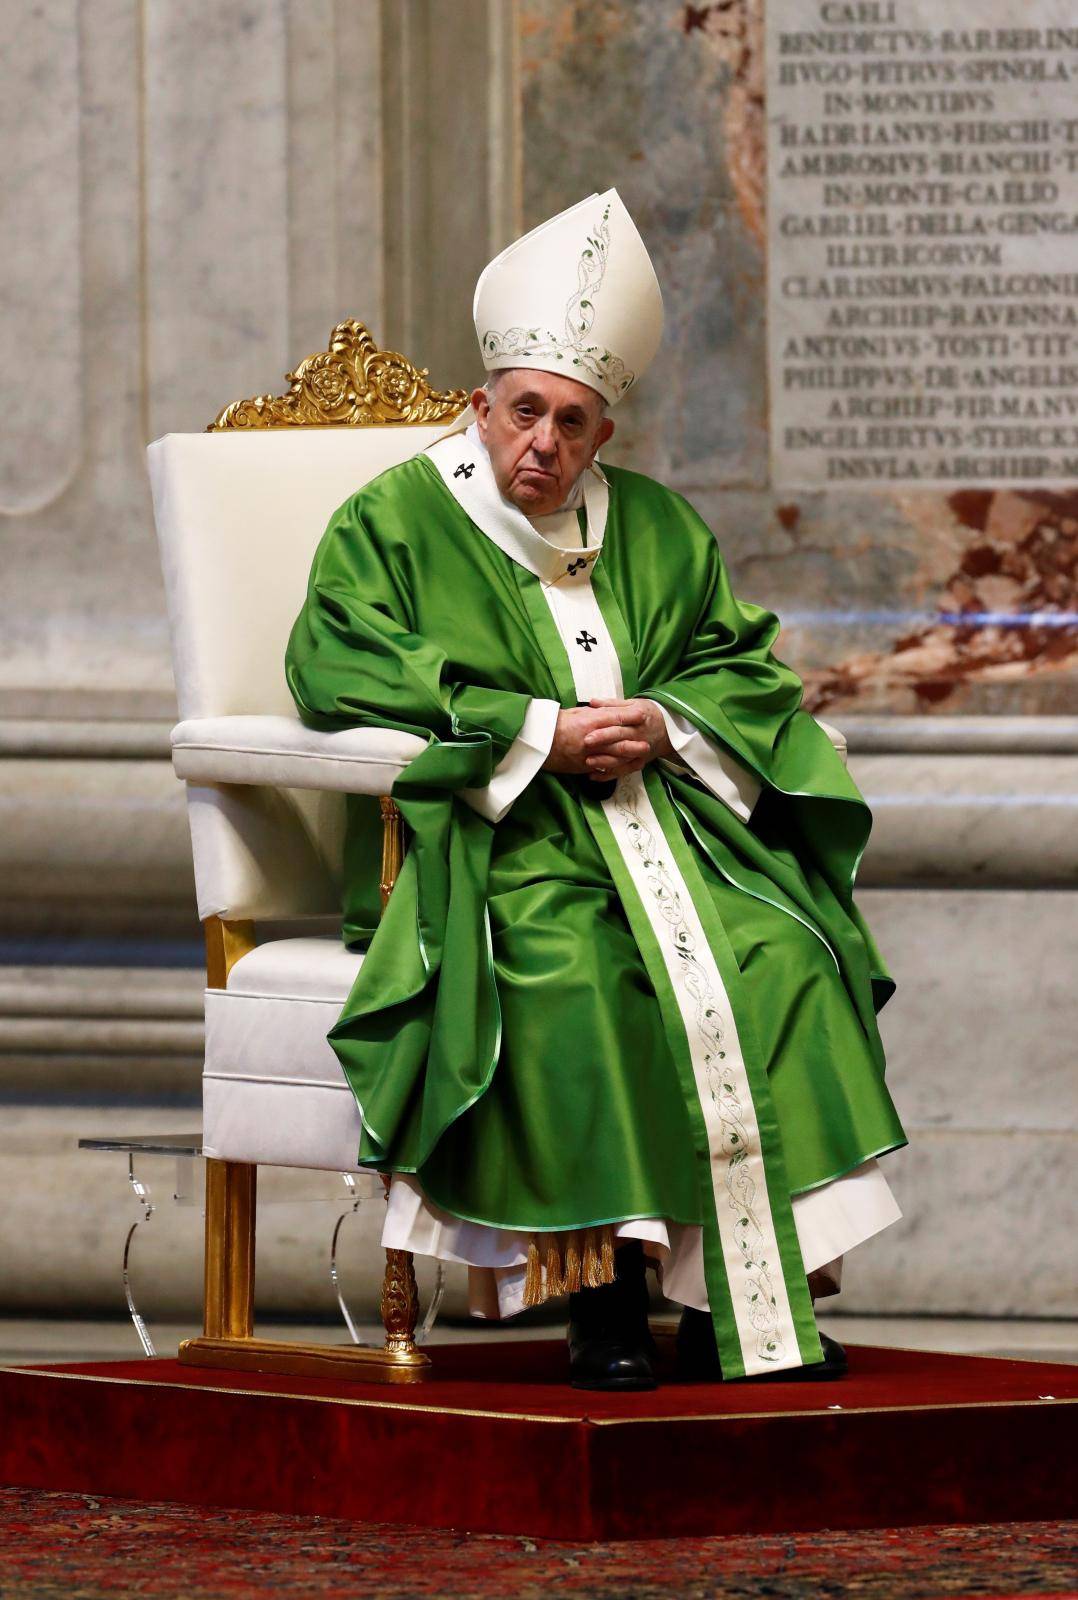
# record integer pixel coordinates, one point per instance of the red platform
(497, 1442)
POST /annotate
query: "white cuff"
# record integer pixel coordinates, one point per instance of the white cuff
(726, 779)
(520, 763)
(837, 738)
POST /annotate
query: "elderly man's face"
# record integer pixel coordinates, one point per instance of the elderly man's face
(541, 430)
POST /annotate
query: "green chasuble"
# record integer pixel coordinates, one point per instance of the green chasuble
(617, 1001)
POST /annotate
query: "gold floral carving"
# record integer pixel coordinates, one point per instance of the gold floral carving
(353, 384)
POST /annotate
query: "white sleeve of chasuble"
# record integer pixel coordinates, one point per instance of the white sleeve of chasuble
(837, 738)
(520, 763)
(715, 767)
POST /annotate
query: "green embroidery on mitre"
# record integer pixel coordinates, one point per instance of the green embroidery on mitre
(579, 316)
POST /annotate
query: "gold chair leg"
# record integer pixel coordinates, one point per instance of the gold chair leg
(231, 1188)
(400, 1302)
(400, 1293)
(392, 846)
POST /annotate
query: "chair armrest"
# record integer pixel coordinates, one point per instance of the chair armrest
(280, 753)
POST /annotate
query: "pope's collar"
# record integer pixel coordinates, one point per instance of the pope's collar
(465, 469)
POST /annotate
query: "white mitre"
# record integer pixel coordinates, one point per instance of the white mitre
(577, 296)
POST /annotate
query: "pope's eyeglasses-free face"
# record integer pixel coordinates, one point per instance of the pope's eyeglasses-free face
(541, 431)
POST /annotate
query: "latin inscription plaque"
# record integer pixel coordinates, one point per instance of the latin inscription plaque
(922, 242)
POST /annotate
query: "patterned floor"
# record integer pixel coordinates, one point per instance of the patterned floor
(75, 1547)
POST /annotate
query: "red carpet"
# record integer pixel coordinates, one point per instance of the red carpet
(529, 1379)
(497, 1442)
(74, 1547)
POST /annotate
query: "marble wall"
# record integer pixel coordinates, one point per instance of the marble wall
(194, 195)
(665, 101)
(208, 191)
(189, 196)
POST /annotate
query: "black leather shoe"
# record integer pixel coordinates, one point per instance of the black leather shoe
(609, 1364)
(697, 1352)
(698, 1356)
(610, 1344)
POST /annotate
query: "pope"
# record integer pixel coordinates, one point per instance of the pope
(621, 1006)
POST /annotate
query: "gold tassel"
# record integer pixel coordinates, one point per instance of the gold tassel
(607, 1268)
(592, 1268)
(533, 1282)
(552, 1263)
(583, 1259)
(572, 1263)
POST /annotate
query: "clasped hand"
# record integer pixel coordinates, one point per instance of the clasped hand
(608, 738)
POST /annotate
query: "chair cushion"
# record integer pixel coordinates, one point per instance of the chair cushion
(273, 1090)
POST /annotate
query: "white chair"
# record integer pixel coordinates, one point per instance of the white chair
(239, 510)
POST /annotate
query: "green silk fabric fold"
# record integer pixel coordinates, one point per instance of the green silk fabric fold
(503, 1037)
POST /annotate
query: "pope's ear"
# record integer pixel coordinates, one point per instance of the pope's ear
(606, 431)
(480, 401)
